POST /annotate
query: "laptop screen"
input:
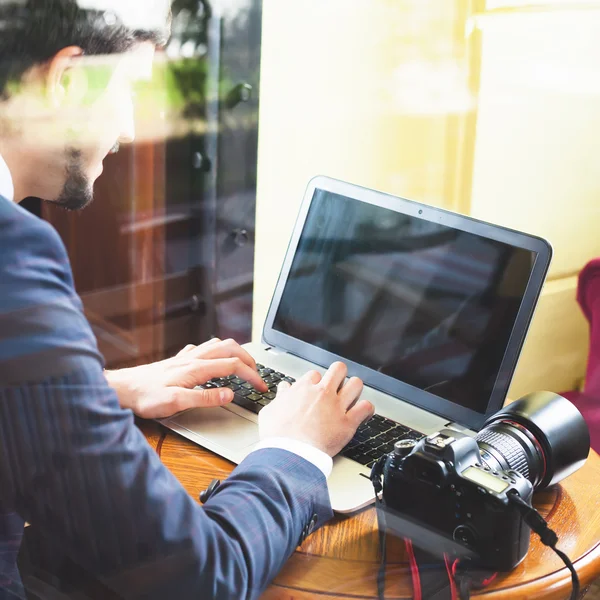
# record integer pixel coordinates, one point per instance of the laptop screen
(419, 301)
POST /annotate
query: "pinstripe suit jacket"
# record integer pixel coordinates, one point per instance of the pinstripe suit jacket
(73, 464)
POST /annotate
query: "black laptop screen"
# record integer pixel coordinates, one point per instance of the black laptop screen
(421, 302)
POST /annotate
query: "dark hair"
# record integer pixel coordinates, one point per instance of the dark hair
(33, 31)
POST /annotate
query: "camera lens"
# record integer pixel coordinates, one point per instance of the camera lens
(542, 436)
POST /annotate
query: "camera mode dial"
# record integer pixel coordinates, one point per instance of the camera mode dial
(403, 448)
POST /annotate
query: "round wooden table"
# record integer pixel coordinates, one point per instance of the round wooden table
(341, 560)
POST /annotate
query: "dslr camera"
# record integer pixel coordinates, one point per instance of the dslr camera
(452, 493)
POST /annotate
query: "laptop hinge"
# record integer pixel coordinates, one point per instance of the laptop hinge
(460, 428)
(276, 351)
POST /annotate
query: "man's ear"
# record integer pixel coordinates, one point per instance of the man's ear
(65, 80)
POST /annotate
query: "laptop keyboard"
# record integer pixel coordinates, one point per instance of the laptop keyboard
(244, 393)
(377, 437)
(372, 439)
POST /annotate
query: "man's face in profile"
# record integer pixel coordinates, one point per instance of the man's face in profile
(97, 115)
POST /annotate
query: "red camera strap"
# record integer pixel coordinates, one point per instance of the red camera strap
(433, 579)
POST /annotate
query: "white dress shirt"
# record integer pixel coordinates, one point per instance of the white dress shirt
(318, 458)
(7, 189)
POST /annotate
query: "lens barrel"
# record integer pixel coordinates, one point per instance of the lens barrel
(542, 436)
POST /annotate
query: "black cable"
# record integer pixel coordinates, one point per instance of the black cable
(574, 576)
(549, 538)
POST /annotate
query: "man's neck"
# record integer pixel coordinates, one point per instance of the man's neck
(7, 189)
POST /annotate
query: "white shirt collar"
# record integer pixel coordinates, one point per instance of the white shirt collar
(7, 188)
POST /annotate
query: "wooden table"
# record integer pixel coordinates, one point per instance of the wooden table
(340, 561)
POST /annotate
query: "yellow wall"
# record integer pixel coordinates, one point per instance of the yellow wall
(493, 114)
(366, 91)
(537, 166)
(537, 159)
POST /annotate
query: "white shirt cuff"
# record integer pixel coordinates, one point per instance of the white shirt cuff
(317, 457)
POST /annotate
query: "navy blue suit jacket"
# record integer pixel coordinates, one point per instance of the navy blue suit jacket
(73, 464)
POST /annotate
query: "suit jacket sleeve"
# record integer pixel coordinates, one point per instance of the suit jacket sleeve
(74, 465)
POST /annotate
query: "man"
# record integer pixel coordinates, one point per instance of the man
(72, 462)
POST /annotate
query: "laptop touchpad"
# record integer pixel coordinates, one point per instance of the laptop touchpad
(219, 426)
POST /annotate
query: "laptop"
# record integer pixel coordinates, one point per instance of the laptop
(428, 307)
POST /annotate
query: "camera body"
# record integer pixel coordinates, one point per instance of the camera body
(442, 483)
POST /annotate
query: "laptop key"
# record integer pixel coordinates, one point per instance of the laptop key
(371, 444)
(245, 403)
(386, 448)
(350, 446)
(374, 454)
(361, 436)
(254, 396)
(369, 431)
(400, 430)
(351, 453)
(377, 426)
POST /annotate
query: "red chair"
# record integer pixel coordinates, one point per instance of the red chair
(588, 401)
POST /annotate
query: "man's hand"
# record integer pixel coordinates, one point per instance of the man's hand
(317, 410)
(164, 388)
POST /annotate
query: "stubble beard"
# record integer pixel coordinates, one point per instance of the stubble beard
(78, 190)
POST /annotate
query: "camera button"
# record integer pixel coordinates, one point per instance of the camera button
(465, 535)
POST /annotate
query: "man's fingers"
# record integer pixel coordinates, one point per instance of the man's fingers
(227, 349)
(183, 399)
(187, 349)
(313, 377)
(335, 376)
(222, 367)
(360, 412)
(283, 386)
(350, 393)
(191, 347)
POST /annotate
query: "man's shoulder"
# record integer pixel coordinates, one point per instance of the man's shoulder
(32, 255)
(43, 331)
(18, 225)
